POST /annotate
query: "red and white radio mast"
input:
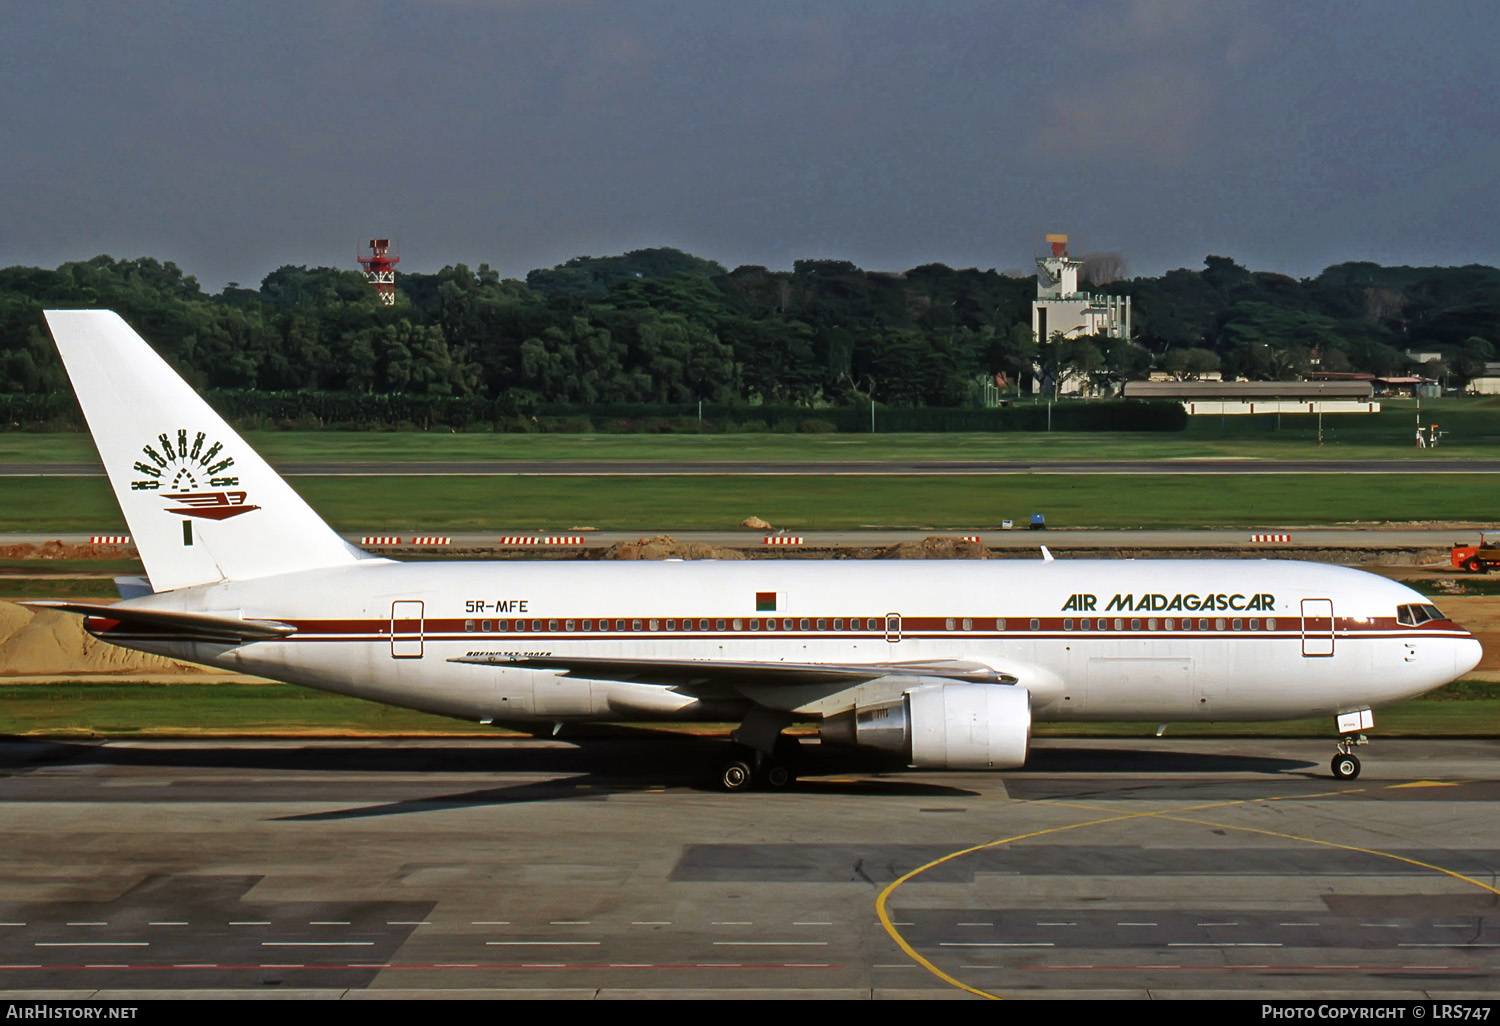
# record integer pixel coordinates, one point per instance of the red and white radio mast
(380, 268)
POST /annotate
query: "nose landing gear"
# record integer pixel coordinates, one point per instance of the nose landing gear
(1346, 764)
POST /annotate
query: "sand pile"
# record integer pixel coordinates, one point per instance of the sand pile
(57, 550)
(666, 547)
(43, 642)
(936, 548)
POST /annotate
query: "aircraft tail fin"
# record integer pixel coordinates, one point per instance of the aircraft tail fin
(202, 505)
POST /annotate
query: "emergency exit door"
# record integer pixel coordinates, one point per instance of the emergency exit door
(406, 629)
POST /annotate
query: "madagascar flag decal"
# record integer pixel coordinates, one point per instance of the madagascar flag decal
(765, 602)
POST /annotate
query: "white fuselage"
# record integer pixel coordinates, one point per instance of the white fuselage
(1153, 640)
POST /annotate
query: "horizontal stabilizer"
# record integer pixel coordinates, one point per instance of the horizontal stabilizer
(692, 671)
(118, 621)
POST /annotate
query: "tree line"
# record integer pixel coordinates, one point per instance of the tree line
(663, 327)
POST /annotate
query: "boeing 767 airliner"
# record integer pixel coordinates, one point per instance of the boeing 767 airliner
(944, 665)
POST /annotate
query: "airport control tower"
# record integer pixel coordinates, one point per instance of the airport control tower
(1060, 307)
(380, 268)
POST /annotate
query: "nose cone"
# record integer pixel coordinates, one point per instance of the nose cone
(1466, 655)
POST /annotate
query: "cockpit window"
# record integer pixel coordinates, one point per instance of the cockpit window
(1415, 615)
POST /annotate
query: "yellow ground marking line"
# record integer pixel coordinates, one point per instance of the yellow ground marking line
(1177, 815)
(1429, 783)
(915, 956)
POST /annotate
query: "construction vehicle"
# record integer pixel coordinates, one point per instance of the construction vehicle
(1477, 559)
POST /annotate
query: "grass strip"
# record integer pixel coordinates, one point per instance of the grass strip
(1472, 424)
(46, 505)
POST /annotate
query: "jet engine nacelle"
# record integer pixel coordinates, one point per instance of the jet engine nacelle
(944, 726)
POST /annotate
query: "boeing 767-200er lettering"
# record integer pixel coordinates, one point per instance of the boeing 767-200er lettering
(946, 666)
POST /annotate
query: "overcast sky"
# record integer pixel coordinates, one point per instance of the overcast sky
(235, 138)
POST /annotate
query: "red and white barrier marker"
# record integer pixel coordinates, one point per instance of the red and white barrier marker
(110, 539)
(783, 539)
(563, 539)
(1270, 537)
(971, 537)
(380, 539)
(430, 540)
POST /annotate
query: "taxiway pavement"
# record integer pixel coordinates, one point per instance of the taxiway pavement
(610, 868)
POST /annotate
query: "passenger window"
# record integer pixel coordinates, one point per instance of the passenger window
(1000, 624)
(739, 625)
(655, 625)
(635, 625)
(1254, 625)
(1271, 624)
(552, 625)
(1151, 625)
(968, 624)
(804, 625)
(948, 624)
(588, 625)
(1036, 625)
(568, 625)
(503, 625)
(1119, 624)
(718, 625)
(485, 626)
(1219, 624)
(1237, 623)
(1087, 625)
(1203, 625)
(469, 625)
(1171, 624)
(1067, 625)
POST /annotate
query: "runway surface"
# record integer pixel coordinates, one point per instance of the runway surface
(537, 868)
(943, 468)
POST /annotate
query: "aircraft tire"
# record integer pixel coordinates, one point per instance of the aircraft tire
(1345, 767)
(735, 776)
(779, 776)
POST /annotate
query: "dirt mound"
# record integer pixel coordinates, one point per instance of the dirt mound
(755, 522)
(666, 547)
(44, 642)
(57, 550)
(936, 547)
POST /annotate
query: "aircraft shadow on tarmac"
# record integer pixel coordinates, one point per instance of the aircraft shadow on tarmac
(593, 768)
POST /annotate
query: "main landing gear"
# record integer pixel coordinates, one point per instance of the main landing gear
(1346, 764)
(749, 768)
(763, 758)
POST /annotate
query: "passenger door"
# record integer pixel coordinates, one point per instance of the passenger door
(1317, 627)
(406, 629)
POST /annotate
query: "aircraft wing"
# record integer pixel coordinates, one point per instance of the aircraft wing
(167, 624)
(680, 672)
